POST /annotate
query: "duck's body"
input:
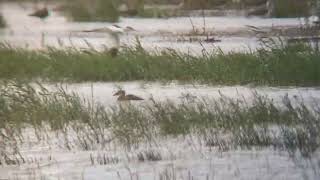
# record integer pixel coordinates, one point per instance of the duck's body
(129, 97)
(41, 13)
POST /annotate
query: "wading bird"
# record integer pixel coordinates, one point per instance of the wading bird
(115, 31)
(129, 97)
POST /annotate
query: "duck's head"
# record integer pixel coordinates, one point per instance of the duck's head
(119, 93)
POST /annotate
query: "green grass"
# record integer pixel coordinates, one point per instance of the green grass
(2, 21)
(297, 8)
(155, 13)
(107, 10)
(96, 10)
(224, 123)
(294, 65)
(204, 4)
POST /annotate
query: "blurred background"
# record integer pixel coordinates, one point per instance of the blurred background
(179, 24)
(226, 96)
(110, 10)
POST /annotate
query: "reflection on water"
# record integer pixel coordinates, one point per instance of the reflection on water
(26, 31)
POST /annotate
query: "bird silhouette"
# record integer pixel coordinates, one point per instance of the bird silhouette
(129, 97)
(114, 31)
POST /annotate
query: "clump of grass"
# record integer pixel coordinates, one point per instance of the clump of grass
(297, 8)
(24, 105)
(214, 138)
(155, 13)
(149, 155)
(253, 2)
(204, 4)
(103, 159)
(130, 126)
(2, 22)
(170, 174)
(96, 10)
(292, 65)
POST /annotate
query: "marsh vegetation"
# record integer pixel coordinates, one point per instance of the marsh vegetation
(223, 123)
(46, 129)
(296, 64)
(2, 21)
(111, 10)
(97, 10)
(296, 9)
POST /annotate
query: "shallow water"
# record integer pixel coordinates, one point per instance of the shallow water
(262, 165)
(181, 157)
(47, 160)
(103, 92)
(25, 31)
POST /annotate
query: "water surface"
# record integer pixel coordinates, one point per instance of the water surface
(25, 31)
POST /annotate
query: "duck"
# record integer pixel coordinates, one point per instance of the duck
(129, 97)
(41, 13)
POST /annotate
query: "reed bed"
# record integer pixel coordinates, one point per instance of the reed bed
(3, 23)
(298, 8)
(96, 10)
(297, 65)
(222, 123)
